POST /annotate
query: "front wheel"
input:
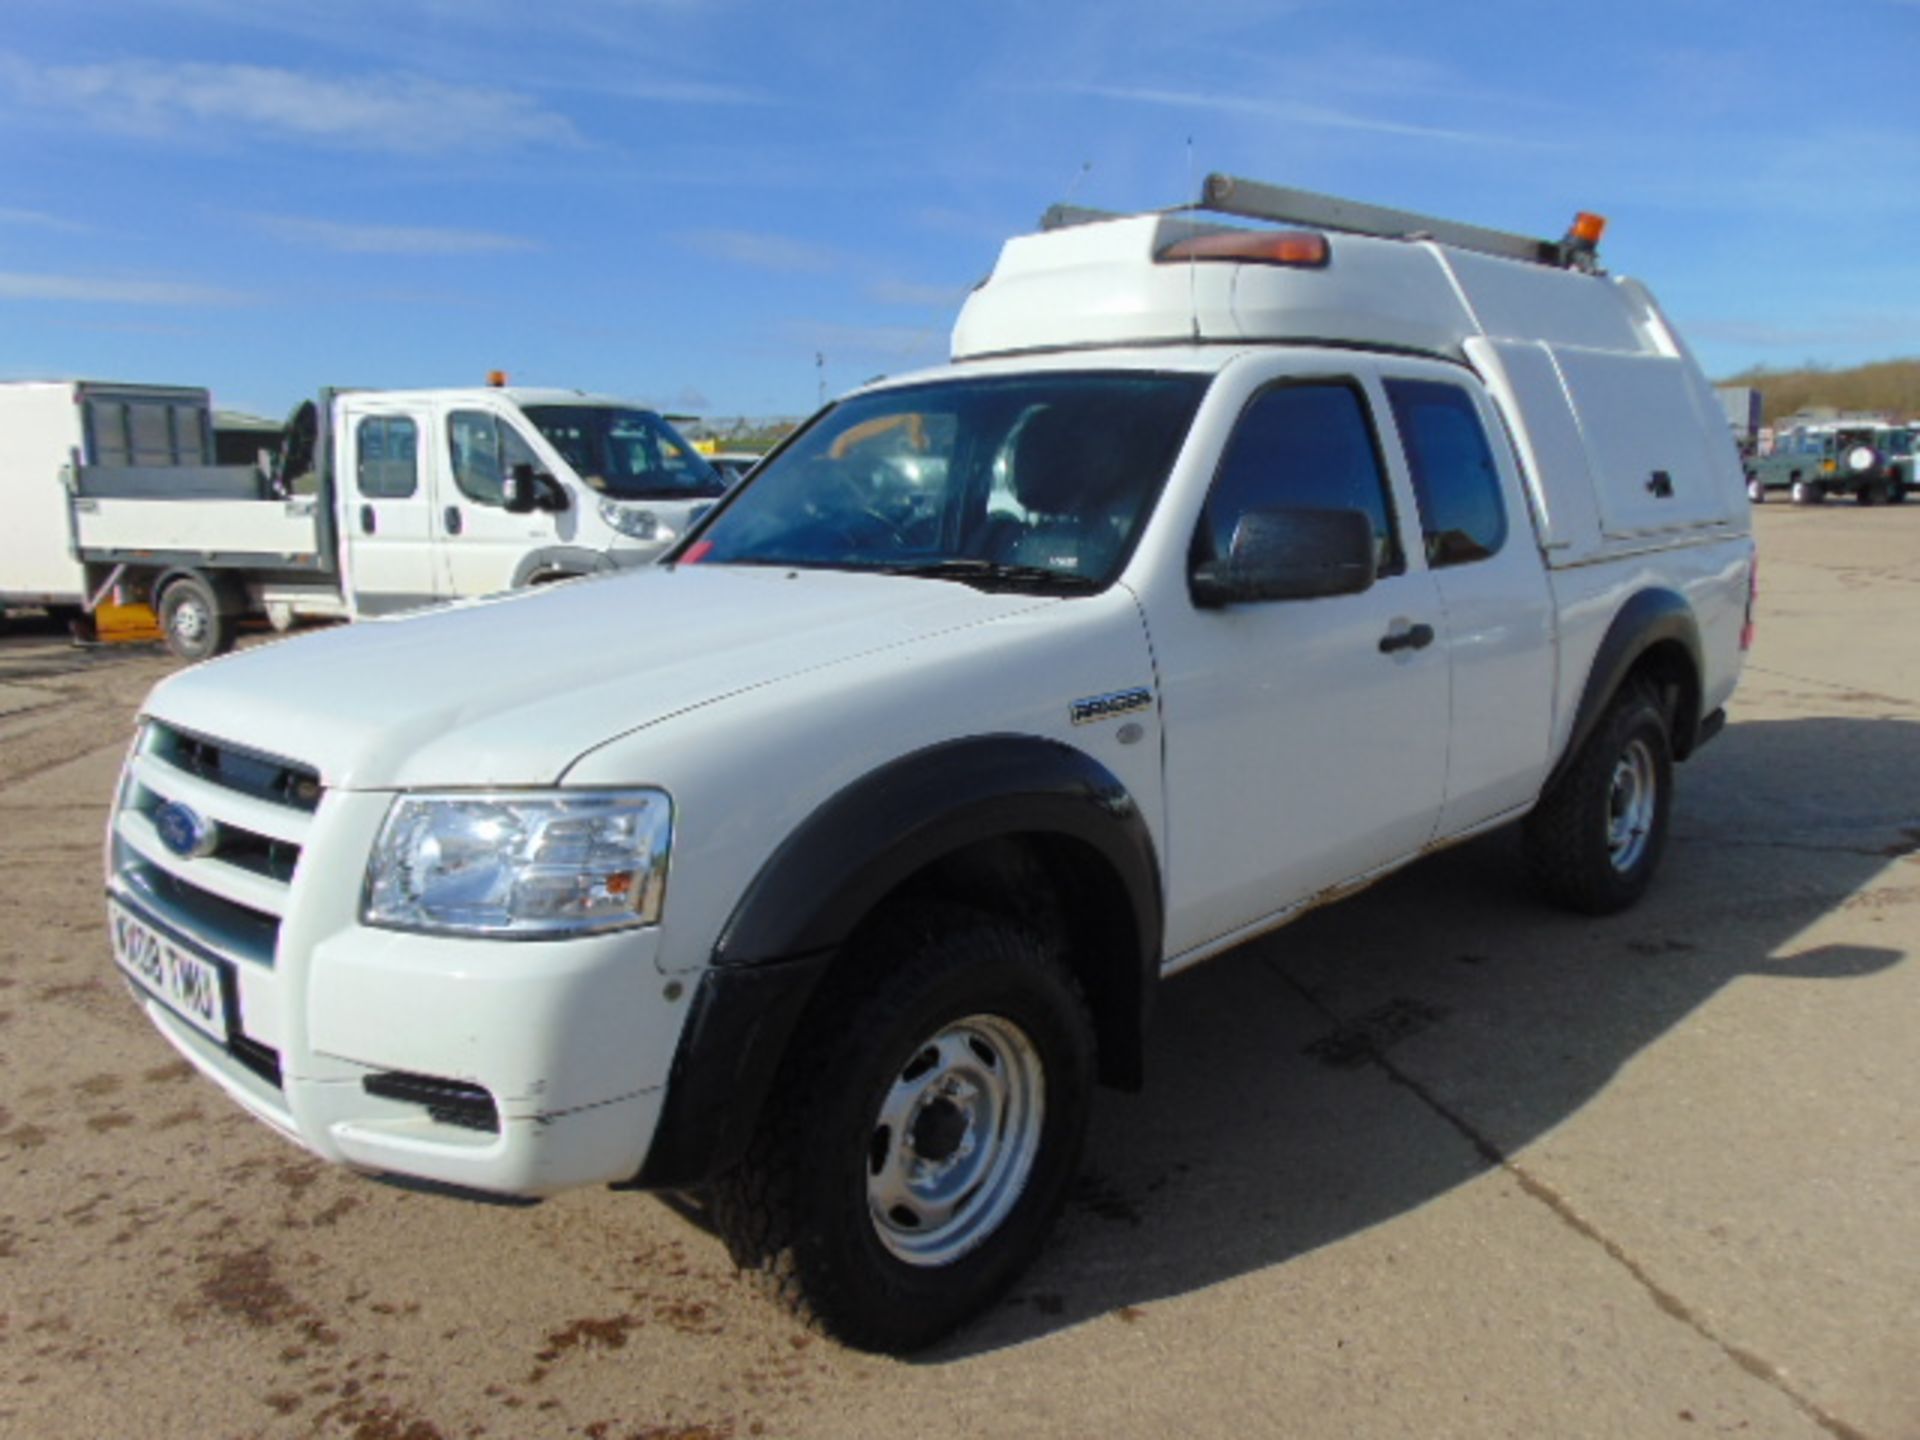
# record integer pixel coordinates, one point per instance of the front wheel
(1756, 492)
(1806, 493)
(920, 1139)
(1596, 837)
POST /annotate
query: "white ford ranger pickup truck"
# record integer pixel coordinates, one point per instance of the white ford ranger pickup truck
(828, 865)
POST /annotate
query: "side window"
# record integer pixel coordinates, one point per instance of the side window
(479, 468)
(1302, 447)
(1462, 518)
(514, 449)
(388, 467)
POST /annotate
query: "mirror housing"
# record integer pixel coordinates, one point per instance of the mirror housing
(1289, 555)
(526, 490)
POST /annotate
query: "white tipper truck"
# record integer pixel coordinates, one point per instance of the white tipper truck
(380, 500)
(1243, 554)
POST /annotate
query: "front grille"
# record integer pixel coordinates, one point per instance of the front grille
(251, 814)
(451, 1102)
(234, 767)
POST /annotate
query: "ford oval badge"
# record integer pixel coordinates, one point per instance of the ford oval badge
(184, 832)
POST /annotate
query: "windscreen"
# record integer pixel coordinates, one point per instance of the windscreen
(1009, 481)
(626, 454)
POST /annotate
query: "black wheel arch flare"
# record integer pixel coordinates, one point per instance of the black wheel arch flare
(1652, 620)
(850, 854)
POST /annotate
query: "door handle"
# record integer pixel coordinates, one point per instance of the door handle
(1414, 637)
(366, 520)
(452, 518)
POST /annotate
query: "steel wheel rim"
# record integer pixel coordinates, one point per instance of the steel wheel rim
(1631, 800)
(189, 621)
(952, 1145)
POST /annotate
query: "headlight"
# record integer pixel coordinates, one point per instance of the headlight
(638, 524)
(522, 864)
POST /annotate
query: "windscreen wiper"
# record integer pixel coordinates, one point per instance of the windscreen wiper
(994, 574)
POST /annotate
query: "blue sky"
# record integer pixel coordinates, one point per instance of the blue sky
(687, 200)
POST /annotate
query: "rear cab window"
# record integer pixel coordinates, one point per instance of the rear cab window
(1455, 483)
(387, 464)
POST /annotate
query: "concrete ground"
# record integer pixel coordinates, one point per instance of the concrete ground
(1435, 1162)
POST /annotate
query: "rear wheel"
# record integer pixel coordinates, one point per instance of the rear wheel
(191, 619)
(920, 1139)
(1806, 493)
(1756, 492)
(1596, 837)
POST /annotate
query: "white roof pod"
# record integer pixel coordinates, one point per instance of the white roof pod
(1592, 379)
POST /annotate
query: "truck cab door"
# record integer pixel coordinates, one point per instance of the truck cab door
(385, 512)
(1305, 739)
(482, 544)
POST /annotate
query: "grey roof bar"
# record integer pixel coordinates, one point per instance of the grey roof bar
(1233, 196)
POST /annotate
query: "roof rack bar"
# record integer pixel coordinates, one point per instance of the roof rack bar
(1064, 217)
(1255, 200)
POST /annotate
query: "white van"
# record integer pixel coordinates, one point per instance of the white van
(387, 500)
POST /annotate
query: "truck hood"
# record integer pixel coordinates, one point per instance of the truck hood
(512, 689)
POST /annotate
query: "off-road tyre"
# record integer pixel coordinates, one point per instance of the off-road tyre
(1577, 841)
(1756, 492)
(1806, 493)
(192, 621)
(796, 1214)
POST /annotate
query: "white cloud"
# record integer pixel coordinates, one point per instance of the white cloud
(93, 290)
(395, 113)
(891, 342)
(1851, 331)
(762, 251)
(350, 239)
(1292, 113)
(903, 292)
(39, 220)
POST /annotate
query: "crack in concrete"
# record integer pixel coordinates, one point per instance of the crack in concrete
(1564, 1210)
(1892, 851)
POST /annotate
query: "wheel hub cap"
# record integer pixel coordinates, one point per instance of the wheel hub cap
(1630, 806)
(954, 1140)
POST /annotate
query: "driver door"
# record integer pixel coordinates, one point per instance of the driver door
(1301, 751)
(481, 543)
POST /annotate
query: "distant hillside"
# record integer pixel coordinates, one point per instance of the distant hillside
(1889, 386)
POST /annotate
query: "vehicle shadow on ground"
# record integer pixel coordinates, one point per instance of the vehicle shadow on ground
(1383, 1051)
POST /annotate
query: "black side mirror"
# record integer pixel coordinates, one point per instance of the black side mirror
(526, 490)
(1289, 555)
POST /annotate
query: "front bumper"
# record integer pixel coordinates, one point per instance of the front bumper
(559, 1050)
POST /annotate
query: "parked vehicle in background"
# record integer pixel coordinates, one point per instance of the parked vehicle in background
(828, 865)
(385, 500)
(242, 439)
(1873, 463)
(733, 465)
(162, 433)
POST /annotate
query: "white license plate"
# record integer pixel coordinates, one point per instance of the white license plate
(179, 979)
